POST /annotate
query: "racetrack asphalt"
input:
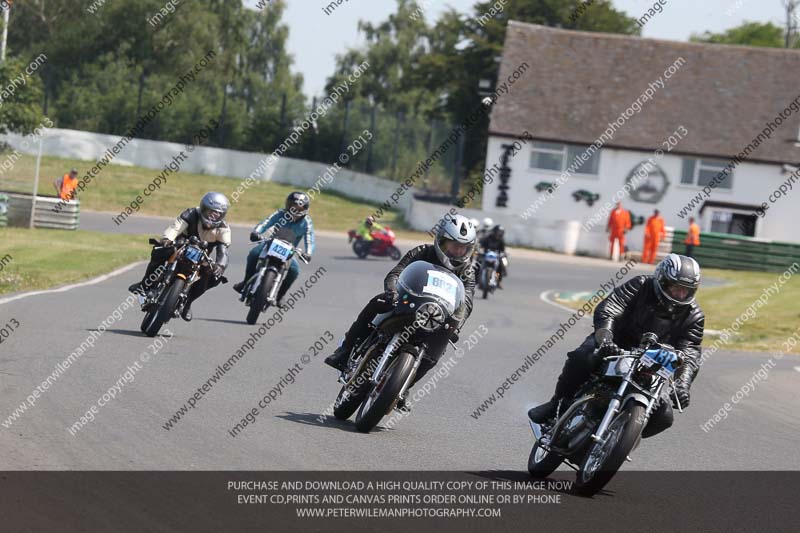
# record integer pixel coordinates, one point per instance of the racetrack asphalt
(760, 432)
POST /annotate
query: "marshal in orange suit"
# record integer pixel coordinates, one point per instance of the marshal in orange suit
(618, 223)
(653, 233)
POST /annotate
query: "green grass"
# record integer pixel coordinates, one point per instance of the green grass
(117, 186)
(45, 258)
(773, 323)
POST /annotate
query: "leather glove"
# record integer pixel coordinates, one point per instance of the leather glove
(391, 297)
(255, 236)
(166, 243)
(306, 256)
(217, 270)
(608, 349)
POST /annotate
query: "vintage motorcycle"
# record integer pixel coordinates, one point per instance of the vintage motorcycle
(169, 293)
(381, 245)
(382, 367)
(489, 272)
(597, 431)
(261, 290)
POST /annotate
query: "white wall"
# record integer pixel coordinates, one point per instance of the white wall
(752, 184)
(90, 147)
(555, 236)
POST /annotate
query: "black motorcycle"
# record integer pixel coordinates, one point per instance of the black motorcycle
(169, 293)
(597, 430)
(261, 290)
(382, 367)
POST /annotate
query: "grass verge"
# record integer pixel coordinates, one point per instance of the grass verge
(40, 258)
(773, 323)
(117, 186)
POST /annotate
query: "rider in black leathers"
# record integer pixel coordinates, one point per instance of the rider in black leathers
(663, 304)
(495, 241)
(458, 234)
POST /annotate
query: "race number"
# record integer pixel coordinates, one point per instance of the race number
(280, 249)
(441, 285)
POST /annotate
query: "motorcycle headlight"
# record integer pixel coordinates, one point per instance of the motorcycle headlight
(429, 316)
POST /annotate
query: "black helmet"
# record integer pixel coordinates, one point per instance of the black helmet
(498, 230)
(213, 208)
(297, 205)
(677, 279)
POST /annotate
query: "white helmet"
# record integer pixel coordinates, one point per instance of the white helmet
(487, 223)
(455, 242)
(475, 223)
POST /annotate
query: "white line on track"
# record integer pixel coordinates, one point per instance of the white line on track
(797, 368)
(544, 296)
(65, 288)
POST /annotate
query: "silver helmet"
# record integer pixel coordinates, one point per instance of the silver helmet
(213, 208)
(677, 279)
(455, 241)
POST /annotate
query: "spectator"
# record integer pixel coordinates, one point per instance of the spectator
(692, 237)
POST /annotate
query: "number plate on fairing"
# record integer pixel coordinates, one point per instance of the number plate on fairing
(441, 285)
(665, 359)
(280, 249)
(193, 254)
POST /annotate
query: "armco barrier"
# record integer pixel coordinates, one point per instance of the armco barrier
(3, 210)
(722, 250)
(19, 212)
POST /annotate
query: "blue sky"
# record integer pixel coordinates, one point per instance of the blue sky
(316, 37)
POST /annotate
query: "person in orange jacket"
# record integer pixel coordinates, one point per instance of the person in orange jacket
(692, 237)
(618, 223)
(66, 186)
(653, 233)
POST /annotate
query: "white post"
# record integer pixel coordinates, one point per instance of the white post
(5, 33)
(36, 180)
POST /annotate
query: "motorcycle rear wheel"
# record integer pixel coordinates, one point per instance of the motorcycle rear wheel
(344, 408)
(166, 310)
(603, 460)
(361, 248)
(542, 463)
(383, 395)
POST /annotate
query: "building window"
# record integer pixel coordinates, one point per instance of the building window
(702, 172)
(559, 157)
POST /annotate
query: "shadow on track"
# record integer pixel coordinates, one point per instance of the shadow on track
(313, 419)
(126, 332)
(224, 321)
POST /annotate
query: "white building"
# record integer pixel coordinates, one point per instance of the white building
(602, 104)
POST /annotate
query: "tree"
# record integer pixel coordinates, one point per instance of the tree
(750, 34)
(20, 109)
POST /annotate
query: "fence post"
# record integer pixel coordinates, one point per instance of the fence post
(345, 124)
(457, 170)
(398, 120)
(372, 141)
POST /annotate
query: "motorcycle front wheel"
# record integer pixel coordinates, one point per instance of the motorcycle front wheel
(384, 393)
(259, 301)
(604, 458)
(394, 253)
(166, 310)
